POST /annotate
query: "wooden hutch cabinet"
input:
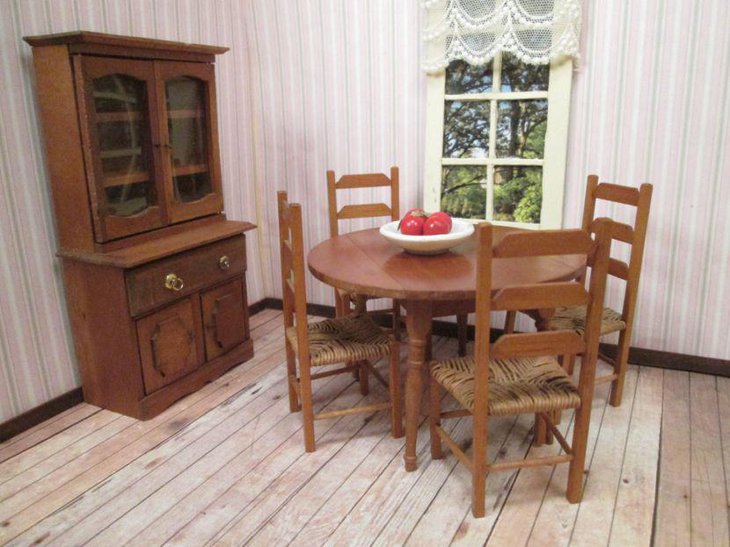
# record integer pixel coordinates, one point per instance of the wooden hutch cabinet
(154, 272)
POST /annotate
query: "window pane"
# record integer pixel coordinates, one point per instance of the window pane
(463, 78)
(464, 191)
(518, 194)
(466, 129)
(520, 76)
(521, 129)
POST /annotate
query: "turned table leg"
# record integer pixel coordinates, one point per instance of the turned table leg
(418, 325)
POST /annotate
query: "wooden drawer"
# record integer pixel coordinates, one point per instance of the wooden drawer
(193, 270)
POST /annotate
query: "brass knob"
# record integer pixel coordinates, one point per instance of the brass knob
(224, 262)
(173, 282)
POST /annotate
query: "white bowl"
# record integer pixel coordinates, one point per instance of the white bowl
(428, 245)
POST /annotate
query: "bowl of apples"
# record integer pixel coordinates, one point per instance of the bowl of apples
(422, 233)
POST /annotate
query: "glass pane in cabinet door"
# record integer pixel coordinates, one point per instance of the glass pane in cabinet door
(186, 125)
(120, 104)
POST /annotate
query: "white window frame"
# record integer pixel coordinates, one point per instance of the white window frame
(556, 139)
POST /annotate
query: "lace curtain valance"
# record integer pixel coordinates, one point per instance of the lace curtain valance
(536, 31)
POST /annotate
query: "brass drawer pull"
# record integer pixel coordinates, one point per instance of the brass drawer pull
(224, 262)
(173, 282)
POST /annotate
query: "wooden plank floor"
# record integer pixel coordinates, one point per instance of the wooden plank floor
(226, 465)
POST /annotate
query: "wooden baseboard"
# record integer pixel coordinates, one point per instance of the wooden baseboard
(320, 310)
(673, 361)
(39, 414)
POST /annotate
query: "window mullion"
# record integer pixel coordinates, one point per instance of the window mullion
(506, 95)
(496, 87)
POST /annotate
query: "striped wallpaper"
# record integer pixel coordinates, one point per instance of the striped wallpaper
(311, 85)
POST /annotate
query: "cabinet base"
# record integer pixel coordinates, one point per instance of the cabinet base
(154, 403)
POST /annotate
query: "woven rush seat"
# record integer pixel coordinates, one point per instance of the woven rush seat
(516, 386)
(574, 318)
(349, 338)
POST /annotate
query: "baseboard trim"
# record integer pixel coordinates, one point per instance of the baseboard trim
(39, 414)
(673, 361)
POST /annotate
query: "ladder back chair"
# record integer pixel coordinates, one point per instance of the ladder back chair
(354, 338)
(347, 302)
(612, 321)
(519, 374)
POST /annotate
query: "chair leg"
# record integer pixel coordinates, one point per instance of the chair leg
(462, 324)
(434, 418)
(363, 377)
(305, 384)
(509, 322)
(396, 320)
(479, 464)
(620, 364)
(396, 412)
(540, 437)
(341, 304)
(580, 441)
(549, 437)
(291, 370)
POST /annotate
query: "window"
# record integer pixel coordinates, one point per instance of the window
(496, 141)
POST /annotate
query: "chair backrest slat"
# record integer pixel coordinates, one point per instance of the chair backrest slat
(618, 268)
(550, 295)
(623, 232)
(620, 194)
(543, 243)
(367, 180)
(537, 344)
(365, 210)
(368, 210)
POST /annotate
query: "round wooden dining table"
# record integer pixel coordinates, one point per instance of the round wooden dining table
(365, 262)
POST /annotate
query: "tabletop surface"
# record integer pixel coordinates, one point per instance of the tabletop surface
(367, 263)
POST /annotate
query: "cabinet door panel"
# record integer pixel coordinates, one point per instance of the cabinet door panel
(188, 127)
(225, 318)
(118, 97)
(170, 344)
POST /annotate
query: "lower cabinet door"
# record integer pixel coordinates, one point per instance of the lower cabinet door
(225, 318)
(170, 343)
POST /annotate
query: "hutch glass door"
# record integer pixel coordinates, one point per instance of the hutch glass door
(120, 131)
(194, 179)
